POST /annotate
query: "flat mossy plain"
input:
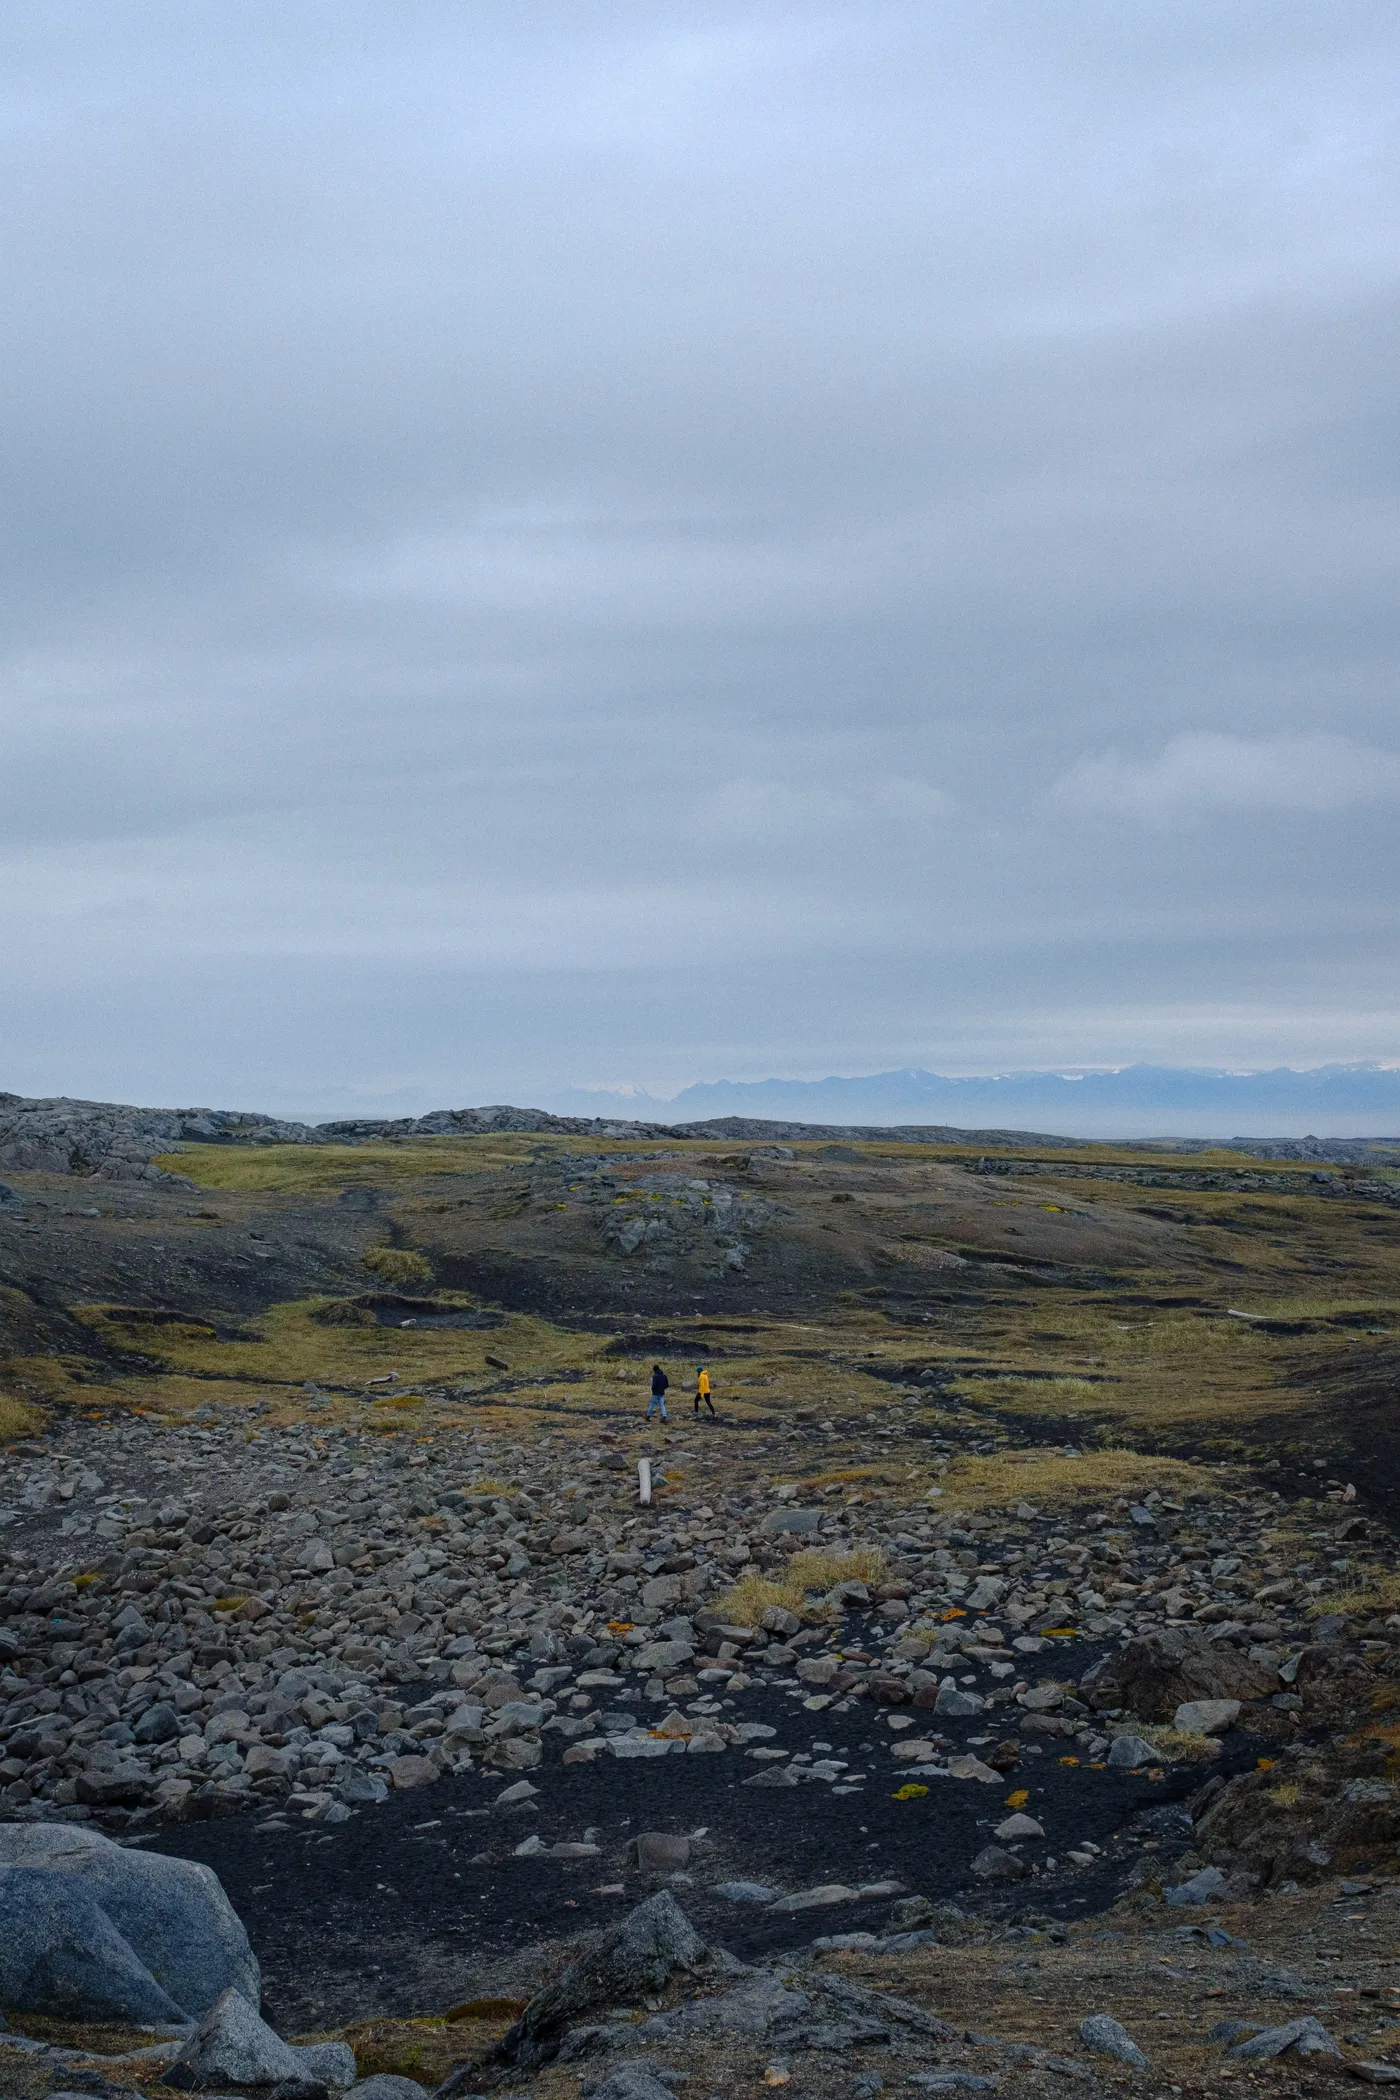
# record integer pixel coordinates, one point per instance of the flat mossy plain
(886, 1295)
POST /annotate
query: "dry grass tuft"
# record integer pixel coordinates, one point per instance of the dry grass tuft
(1179, 1748)
(397, 1265)
(806, 1573)
(1380, 1593)
(424, 2049)
(17, 1417)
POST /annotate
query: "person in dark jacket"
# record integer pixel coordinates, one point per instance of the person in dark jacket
(659, 1383)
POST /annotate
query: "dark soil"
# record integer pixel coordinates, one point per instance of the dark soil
(393, 1912)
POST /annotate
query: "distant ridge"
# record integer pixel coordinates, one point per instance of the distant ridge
(1137, 1101)
(111, 1141)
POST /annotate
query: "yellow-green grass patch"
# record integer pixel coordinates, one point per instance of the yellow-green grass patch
(809, 1573)
(1003, 1479)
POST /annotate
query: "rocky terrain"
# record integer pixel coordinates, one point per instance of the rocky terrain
(1015, 1654)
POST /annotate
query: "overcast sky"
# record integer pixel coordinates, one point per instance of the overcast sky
(552, 545)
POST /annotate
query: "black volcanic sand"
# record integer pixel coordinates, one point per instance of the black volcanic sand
(392, 1913)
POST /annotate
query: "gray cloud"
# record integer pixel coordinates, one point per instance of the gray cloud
(563, 548)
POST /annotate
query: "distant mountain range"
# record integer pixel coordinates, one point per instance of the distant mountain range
(1360, 1100)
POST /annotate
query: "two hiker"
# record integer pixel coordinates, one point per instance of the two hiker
(660, 1384)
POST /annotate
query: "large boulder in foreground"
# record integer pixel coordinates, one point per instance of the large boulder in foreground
(1158, 1672)
(636, 1957)
(61, 1955)
(170, 1915)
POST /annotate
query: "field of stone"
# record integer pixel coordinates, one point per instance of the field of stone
(1016, 1644)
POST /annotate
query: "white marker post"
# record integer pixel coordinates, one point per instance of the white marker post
(644, 1481)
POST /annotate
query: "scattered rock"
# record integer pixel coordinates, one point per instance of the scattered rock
(233, 2045)
(1018, 1826)
(1206, 1716)
(1130, 1753)
(1159, 1672)
(1199, 1889)
(1305, 2037)
(640, 1955)
(659, 1852)
(994, 1864)
(1105, 2036)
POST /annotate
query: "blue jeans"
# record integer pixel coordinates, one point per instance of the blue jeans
(657, 1400)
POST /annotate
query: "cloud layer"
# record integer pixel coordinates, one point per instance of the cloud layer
(565, 547)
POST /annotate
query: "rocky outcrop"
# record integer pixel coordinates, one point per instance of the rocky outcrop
(108, 1141)
(1302, 1819)
(640, 1955)
(1159, 1672)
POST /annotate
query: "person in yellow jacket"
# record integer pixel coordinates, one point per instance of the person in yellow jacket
(702, 1389)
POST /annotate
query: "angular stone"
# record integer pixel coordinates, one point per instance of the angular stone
(636, 1958)
(800, 1522)
(1158, 1672)
(1305, 2037)
(956, 1704)
(263, 1762)
(1018, 1826)
(233, 2045)
(777, 1619)
(1101, 2033)
(995, 1865)
(970, 1767)
(1199, 1889)
(517, 1753)
(63, 1957)
(658, 1851)
(664, 1655)
(409, 1771)
(1206, 1716)
(1130, 1753)
(115, 1786)
(818, 1898)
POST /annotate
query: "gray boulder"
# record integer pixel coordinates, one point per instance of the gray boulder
(631, 2082)
(1158, 1672)
(61, 1955)
(1129, 1753)
(331, 2064)
(802, 1522)
(638, 1956)
(993, 1863)
(233, 2045)
(172, 1912)
(1305, 2037)
(386, 2085)
(1106, 2037)
(1199, 1889)
(957, 1703)
(158, 1724)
